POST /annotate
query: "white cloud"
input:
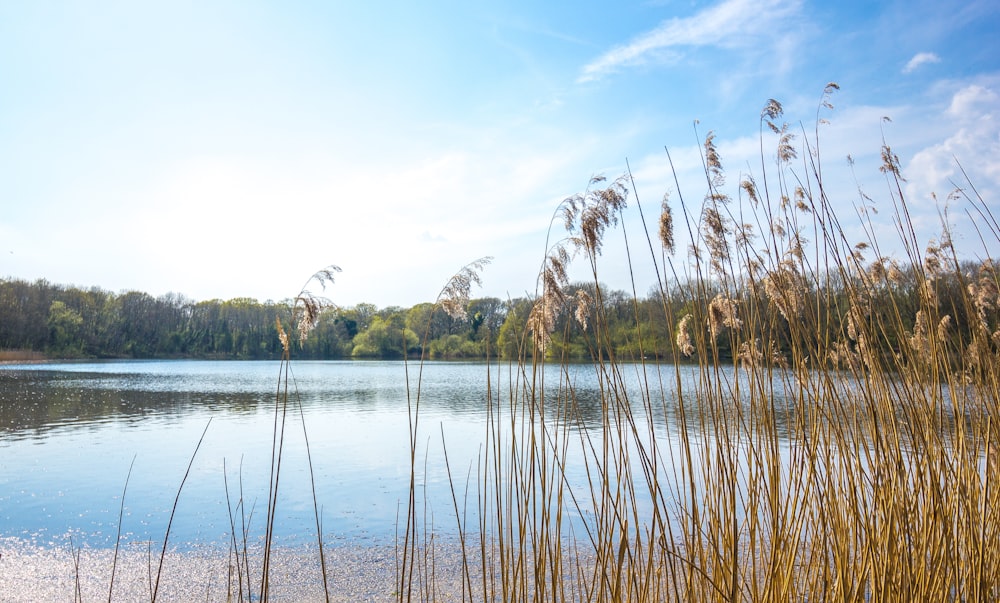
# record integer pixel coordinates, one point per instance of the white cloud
(730, 24)
(973, 118)
(969, 104)
(920, 59)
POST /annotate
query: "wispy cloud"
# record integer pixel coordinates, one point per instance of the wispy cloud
(969, 156)
(729, 24)
(921, 58)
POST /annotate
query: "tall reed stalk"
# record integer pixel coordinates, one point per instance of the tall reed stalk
(305, 314)
(415, 566)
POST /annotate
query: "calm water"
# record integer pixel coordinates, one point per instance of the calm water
(70, 431)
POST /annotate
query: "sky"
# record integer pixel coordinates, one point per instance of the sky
(222, 149)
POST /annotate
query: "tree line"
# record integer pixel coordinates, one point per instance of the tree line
(71, 322)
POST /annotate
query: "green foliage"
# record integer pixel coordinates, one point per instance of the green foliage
(455, 346)
(72, 323)
(385, 338)
(65, 325)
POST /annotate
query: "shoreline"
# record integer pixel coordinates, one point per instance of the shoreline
(21, 357)
(37, 573)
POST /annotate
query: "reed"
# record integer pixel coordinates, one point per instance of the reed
(415, 570)
(305, 314)
(155, 583)
(118, 534)
(826, 430)
(240, 583)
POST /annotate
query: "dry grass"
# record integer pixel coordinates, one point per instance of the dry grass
(833, 439)
(21, 356)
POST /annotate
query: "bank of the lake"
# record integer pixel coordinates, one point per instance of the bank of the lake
(19, 356)
(43, 574)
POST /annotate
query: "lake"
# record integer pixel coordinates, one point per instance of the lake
(69, 433)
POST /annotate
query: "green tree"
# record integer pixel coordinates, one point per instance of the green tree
(64, 330)
(384, 338)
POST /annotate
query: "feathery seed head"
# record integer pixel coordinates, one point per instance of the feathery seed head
(796, 245)
(890, 162)
(569, 210)
(553, 281)
(714, 320)
(684, 342)
(583, 305)
(777, 358)
(666, 226)
(943, 327)
(984, 293)
(827, 92)
(713, 161)
(934, 258)
(587, 216)
(308, 307)
(772, 110)
(918, 340)
(750, 353)
(722, 313)
(777, 228)
(542, 321)
(745, 235)
(282, 335)
(876, 271)
(750, 188)
(842, 356)
(784, 289)
(325, 276)
(857, 317)
(987, 295)
(928, 292)
(715, 228)
(786, 150)
(454, 297)
(800, 200)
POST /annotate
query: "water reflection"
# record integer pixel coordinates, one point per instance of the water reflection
(43, 408)
(69, 432)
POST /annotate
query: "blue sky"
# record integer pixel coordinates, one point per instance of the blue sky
(225, 149)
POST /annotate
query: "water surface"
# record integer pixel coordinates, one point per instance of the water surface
(70, 432)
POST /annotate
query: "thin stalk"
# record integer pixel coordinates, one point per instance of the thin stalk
(173, 512)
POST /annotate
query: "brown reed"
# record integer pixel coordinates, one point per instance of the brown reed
(826, 430)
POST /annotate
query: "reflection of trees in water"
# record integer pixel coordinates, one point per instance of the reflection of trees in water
(40, 400)
(36, 402)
